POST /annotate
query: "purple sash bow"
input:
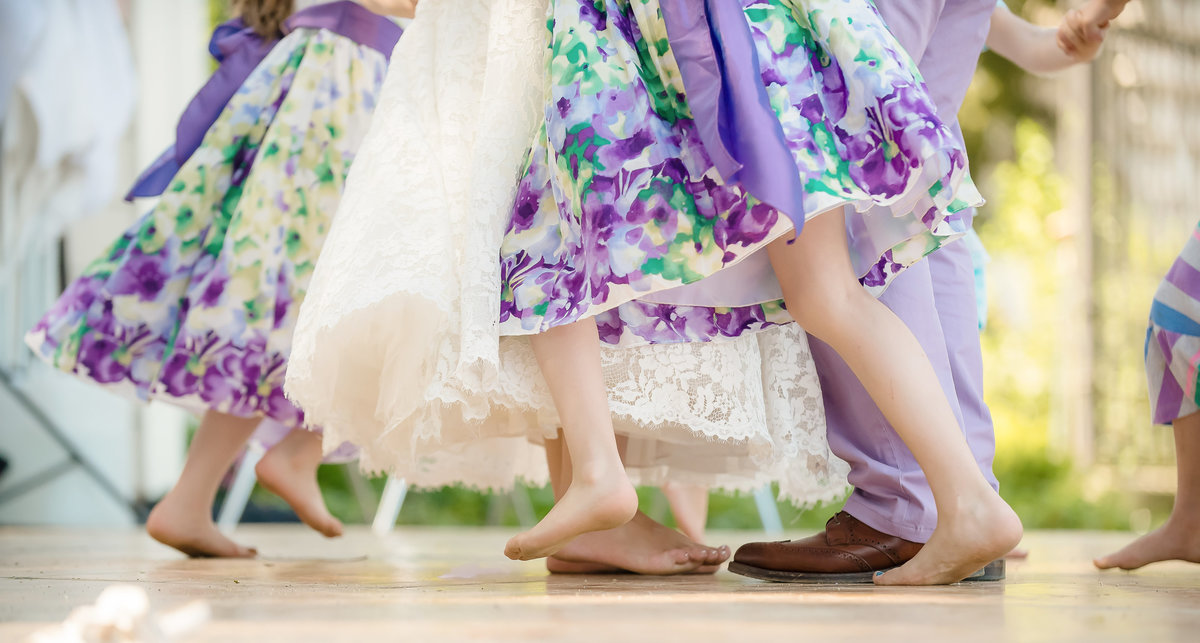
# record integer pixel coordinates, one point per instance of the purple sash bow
(713, 45)
(240, 49)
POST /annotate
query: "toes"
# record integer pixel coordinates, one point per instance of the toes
(228, 549)
(330, 530)
(1120, 560)
(215, 550)
(685, 563)
(893, 577)
(681, 557)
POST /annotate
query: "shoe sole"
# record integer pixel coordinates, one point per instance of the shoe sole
(994, 571)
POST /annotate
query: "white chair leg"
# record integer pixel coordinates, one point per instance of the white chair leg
(389, 505)
(768, 511)
(239, 492)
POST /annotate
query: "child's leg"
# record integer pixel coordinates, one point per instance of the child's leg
(600, 495)
(1179, 537)
(975, 526)
(689, 505)
(641, 545)
(289, 470)
(183, 518)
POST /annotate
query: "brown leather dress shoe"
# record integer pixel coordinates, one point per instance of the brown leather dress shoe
(848, 551)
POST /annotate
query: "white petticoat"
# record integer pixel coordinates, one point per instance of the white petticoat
(397, 348)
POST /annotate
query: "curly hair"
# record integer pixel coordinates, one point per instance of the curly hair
(264, 16)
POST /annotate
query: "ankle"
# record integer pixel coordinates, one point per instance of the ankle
(967, 503)
(1186, 526)
(600, 474)
(985, 507)
(178, 498)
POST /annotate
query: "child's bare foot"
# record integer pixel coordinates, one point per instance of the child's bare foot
(641, 546)
(591, 503)
(289, 470)
(188, 528)
(1169, 542)
(982, 529)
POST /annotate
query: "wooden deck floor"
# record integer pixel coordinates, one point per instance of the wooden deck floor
(454, 584)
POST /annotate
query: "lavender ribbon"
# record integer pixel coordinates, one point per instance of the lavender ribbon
(712, 43)
(240, 49)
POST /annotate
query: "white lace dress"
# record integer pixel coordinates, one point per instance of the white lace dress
(397, 347)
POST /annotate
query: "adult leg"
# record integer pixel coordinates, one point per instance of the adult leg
(183, 518)
(952, 273)
(1179, 537)
(948, 64)
(890, 492)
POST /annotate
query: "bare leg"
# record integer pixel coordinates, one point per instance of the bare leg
(183, 518)
(689, 505)
(641, 545)
(600, 495)
(975, 526)
(289, 470)
(1179, 537)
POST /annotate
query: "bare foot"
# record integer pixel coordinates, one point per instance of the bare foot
(641, 546)
(590, 504)
(189, 529)
(983, 529)
(1169, 542)
(1017, 554)
(291, 474)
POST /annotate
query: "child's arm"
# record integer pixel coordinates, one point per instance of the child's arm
(398, 8)
(1029, 46)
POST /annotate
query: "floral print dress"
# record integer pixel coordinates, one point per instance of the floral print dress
(196, 303)
(537, 162)
(619, 198)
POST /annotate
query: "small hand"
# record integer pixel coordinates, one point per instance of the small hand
(1081, 34)
(398, 8)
